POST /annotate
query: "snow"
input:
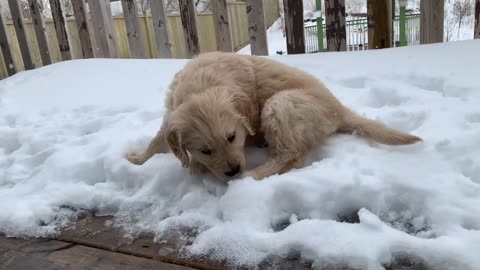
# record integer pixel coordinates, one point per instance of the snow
(64, 130)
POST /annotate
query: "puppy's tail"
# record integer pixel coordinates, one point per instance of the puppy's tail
(375, 130)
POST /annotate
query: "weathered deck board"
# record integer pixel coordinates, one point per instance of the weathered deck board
(94, 244)
(92, 231)
(48, 254)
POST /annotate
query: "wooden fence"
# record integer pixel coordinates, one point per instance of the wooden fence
(231, 26)
(237, 27)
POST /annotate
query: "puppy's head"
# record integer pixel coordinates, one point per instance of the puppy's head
(211, 129)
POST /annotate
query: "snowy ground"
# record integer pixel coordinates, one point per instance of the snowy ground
(63, 137)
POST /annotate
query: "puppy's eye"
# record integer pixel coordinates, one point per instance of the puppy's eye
(231, 138)
(206, 151)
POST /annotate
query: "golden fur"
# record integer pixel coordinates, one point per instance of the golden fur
(220, 96)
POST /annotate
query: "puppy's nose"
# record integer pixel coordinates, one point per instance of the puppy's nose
(233, 171)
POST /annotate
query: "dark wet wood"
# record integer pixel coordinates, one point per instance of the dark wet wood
(379, 26)
(61, 29)
(49, 254)
(335, 25)
(96, 232)
(40, 32)
(431, 21)
(95, 243)
(294, 26)
(189, 23)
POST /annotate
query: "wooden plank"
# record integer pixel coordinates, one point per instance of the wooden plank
(95, 243)
(40, 32)
(83, 28)
(132, 24)
(294, 26)
(22, 34)
(160, 27)
(335, 25)
(221, 22)
(6, 47)
(256, 27)
(189, 23)
(92, 231)
(379, 24)
(105, 36)
(49, 254)
(477, 19)
(431, 21)
(60, 29)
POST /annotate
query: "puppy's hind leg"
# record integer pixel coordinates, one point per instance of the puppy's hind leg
(276, 164)
(294, 122)
(156, 146)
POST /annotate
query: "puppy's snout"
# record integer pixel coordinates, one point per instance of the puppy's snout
(233, 171)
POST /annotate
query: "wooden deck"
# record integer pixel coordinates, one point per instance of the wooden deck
(93, 244)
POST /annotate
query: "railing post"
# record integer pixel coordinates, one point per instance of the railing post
(335, 24)
(221, 22)
(431, 21)
(392, 24)
(379, 24)
(134, 33)
(6, 47)
(189, 23)
(477, 19)
(83, 29)
(295, 30)
(318, 6)
(256, 27)
(160, 28)
(39, 25)
(22, 34)
(105, 36)
(402, 23)
(60, 29)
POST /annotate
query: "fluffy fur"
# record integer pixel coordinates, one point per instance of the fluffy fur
(220, 102)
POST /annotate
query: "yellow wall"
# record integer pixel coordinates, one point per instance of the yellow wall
(206, 31)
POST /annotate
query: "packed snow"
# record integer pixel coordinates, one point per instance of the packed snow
(65, 128)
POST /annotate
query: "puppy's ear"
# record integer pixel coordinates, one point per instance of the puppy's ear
(245, 107)
(174, 141)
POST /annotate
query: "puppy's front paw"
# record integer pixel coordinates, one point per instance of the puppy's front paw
(247, 174)
(135, 158)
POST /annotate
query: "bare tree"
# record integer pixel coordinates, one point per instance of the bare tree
(461, 9)
(201, 6)
(355, 6)
(143, 6)
(171, 6)
(449, 25)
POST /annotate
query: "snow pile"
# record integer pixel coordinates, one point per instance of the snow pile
(64, 129)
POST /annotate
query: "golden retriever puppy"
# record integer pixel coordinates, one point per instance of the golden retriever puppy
(219, 102)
